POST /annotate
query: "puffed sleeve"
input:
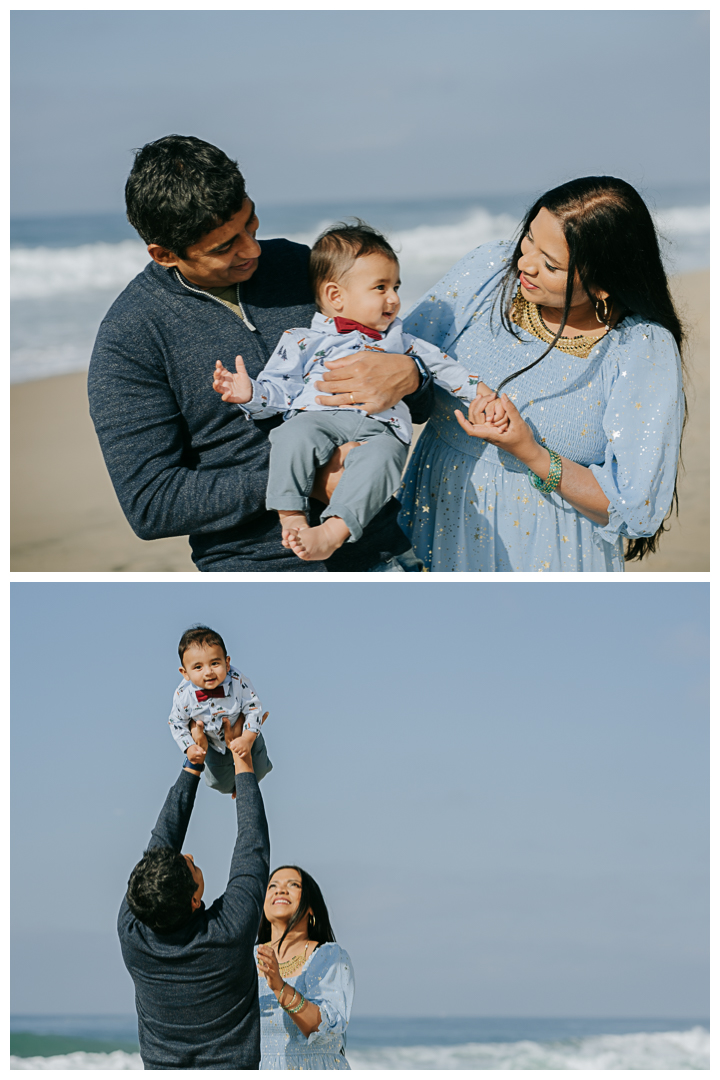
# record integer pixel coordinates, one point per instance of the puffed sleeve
(454, 301)
(643, 422)
(331, 986)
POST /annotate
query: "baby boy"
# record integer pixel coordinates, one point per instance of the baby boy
(355, 276)
(212, 690)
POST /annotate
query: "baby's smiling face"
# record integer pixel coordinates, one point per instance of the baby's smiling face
(367, 293)
(205, 665)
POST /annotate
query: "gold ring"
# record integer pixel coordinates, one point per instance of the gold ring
(353, 398)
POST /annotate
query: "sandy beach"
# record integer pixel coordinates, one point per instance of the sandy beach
(65, 516)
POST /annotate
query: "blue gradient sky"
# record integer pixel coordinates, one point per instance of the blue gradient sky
(322, 105)
(502, 788)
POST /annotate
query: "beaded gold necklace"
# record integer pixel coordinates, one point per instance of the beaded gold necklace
(289, 967)
(527, 316)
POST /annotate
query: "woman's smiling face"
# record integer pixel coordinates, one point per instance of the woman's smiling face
(544, 262)
(283, 895)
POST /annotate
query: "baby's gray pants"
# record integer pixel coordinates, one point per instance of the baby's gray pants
(371, 474)
(220, 768)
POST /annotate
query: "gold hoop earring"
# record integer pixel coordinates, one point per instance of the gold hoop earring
(604, 320)
(311, 921)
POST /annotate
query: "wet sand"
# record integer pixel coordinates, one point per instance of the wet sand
(65, 516)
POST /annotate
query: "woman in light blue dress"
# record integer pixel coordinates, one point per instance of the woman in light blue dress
(306, 980)
(576, 320)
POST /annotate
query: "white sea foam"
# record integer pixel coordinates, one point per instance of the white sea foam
(60, 294)
(41, 272)
(118, 1059)
(656, 1050)
(426, 251)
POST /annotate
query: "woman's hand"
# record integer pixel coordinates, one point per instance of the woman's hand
(578, 486)
(267, 964)
(373, 380)
(515, 436)
(308, 1017)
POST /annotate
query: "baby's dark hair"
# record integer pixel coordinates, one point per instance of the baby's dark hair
(199, 635)
(335, 251)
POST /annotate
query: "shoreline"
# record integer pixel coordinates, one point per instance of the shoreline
(65, 516)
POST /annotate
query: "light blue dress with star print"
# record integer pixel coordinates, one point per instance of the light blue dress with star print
(328, 980)
(470, 506)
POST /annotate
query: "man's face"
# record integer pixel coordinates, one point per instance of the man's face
(198, 879)
(223, 257)
(205, 665)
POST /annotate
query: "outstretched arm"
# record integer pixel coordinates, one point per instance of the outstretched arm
(241, 904)
(172, 824)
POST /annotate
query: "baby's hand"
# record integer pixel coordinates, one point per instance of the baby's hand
(236, 388)
(488, 403)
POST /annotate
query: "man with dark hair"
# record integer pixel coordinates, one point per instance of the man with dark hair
(193, 967)
(180, 460)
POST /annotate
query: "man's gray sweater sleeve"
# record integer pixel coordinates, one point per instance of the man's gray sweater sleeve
(172, 824)
(143, 437)
(242, 902)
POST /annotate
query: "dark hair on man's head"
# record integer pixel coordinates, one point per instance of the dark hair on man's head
(613, 246)
(199, 635)
(335, 251)
(181, 188)
(160, 890)
(310, 899)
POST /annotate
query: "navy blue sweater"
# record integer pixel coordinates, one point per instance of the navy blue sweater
(183, 461)
(196, 990)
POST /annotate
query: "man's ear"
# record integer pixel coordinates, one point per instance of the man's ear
(162, 256)
(195, 903)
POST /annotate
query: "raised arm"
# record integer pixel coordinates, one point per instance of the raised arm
(240, 906)
(172, 824)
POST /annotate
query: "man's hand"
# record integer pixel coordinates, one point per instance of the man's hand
(373, 380)
(329, 476)
(195, 754)
(236, 388)
(238, 744)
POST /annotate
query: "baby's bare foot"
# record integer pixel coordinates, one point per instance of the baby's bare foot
(291, 521)
(314, 545)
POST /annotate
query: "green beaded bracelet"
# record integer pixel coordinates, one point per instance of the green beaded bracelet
(297, 1007)
(553, 477)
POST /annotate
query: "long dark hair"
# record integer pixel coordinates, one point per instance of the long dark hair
(310, 897)
(613, 246)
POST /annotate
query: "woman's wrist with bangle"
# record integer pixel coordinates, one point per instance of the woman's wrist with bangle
(539, 461)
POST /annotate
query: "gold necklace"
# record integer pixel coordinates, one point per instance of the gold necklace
(289, 967)
(527, 316)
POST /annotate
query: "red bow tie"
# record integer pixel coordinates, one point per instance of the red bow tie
(346, 326)
(203, 695)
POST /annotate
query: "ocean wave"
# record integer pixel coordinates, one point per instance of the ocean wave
(426, 252)
(118, 1059)
(656, 1050)
(643, 1050)
(41, 272)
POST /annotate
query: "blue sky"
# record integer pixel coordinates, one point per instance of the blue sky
(501, 788)
(320, 105)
